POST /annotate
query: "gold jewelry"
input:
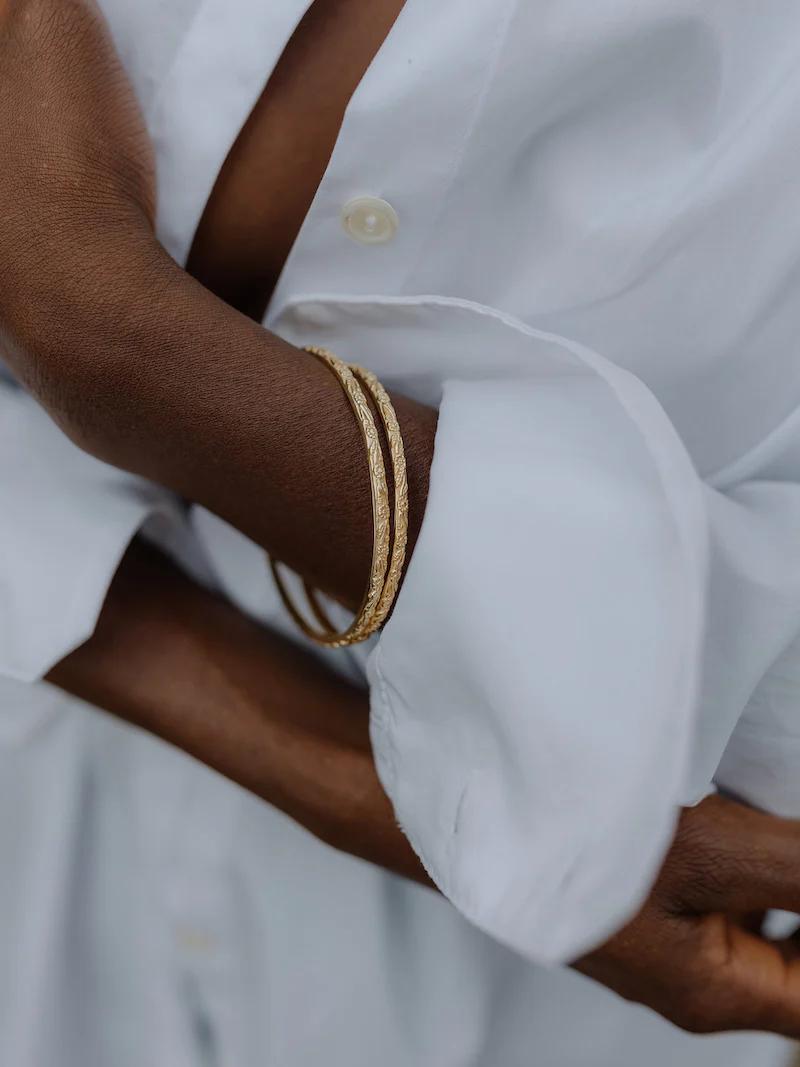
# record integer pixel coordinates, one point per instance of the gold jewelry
(363, 624)
(398, 458)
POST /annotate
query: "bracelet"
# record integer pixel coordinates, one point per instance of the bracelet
(397, 455)
(384, 577)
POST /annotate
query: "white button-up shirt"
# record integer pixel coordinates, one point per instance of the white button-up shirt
(571, 226)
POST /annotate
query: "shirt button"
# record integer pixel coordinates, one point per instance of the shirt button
(193, 939)
(370, 221)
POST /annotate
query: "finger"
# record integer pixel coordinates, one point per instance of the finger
(728, 857)
(766, 976)
(735, 981)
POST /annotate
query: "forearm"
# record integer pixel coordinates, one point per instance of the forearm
(173, 659)
(154, 374)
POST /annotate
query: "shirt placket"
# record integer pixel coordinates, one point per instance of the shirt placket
(214, 82)
(397, 155)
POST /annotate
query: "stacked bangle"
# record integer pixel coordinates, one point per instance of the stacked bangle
(385, 572)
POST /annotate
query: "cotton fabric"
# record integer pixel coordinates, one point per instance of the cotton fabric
(594, 277)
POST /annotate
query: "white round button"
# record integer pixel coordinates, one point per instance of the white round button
(370, 221)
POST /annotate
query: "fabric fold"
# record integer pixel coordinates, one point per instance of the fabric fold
(65, 522)
(534, 693)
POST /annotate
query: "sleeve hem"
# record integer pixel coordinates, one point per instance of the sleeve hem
(68, 617)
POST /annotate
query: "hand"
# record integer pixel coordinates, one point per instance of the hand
(695, 953)
(77, 175)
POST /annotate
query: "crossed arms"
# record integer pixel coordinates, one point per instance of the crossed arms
(125, 352)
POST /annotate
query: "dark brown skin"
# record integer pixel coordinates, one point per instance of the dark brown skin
(695, 953)
(145, 367)
(186, 665)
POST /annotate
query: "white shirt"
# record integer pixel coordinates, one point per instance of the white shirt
(593, 276)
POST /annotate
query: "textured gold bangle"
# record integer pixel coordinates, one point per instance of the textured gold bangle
(397, 455)
(362, 625)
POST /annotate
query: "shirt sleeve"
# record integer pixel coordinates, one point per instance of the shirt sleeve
(535, 692)
(66, 520)
(586, 624)
(590, 635)
(755, 585)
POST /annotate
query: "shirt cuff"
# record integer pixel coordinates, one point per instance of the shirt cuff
(65, 523)
(534, 693)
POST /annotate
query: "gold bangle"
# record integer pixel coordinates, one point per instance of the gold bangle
(359, 629)
(400, 542)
